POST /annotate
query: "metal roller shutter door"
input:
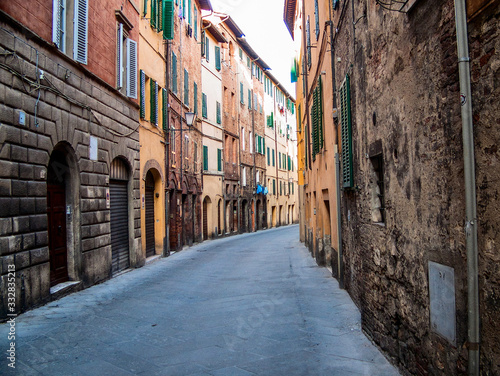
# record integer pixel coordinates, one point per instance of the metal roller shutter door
(119, 225)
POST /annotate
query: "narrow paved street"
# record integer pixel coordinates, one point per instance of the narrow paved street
(253, 304)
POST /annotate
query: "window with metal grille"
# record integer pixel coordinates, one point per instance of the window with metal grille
(346, 133)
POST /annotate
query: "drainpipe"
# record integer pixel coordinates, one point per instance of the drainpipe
(340, 261)
(470, 188)
(166, 132)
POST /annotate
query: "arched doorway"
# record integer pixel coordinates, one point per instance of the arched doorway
(207, 205)
(244, 216)
(57, 179)
(149, 204)
(219, 215)
(273, 216)
(119, 214)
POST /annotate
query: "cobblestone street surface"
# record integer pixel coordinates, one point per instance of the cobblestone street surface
(252, 304)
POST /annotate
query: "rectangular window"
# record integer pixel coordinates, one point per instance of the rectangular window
(249, 99)
(80, 32)
(241, 54)
(272, 155)
(217, 58)
(300, 118)
(195, 98)
(218, 110)
(274, 186)
(174, 73)
(242, 99)
(268, 157)
(205, 158)
(346, 133)
(186, 87)
(189, 12)
(219, 160)
(204, 105)
(279, 159)
(244, 176)
(142, 94)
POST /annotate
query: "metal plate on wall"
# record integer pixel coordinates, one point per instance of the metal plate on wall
(442, 300)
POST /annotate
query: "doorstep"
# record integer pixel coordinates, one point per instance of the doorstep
(64, 288)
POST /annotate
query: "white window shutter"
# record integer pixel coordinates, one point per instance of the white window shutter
(59, 23)
(119, 60)
(131, 69)
(80, 33)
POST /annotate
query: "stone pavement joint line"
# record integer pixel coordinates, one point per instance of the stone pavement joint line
(252, 304)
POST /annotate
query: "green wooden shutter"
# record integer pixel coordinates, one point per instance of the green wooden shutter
(218, 109)
(273, 158)
(164, 104)
(207, 45)
(174, 73)
(308, 37)
(249, 99)
(154, 14)
(143, 94)
(320, 113)
(168, 19)
(153, 102)
(268, 157)
(195, 94)
(145, 8)
(346, 133)
(217, 57)
(242, 100)
(203, 43)
(205, 157)
(195, 23)
(204, 105)
(219, 160)
(189, 12)
(186, 87)
(274, 187)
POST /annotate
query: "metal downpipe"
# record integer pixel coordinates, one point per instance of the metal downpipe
(470, 189)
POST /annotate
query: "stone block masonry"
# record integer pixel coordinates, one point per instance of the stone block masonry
(45, 134)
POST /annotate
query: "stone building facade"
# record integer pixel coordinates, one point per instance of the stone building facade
(69, 148)
(396, 80)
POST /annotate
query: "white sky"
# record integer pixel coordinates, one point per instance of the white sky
(262, 23)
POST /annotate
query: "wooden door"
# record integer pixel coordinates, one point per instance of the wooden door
(56, 212)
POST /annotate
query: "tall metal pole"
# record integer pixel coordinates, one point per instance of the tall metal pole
(470, 188)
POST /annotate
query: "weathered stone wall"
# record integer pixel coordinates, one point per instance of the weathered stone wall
(71, 106)
(406, 108)
(484, 45)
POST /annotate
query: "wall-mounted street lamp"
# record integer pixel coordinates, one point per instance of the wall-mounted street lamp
(190, 116)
